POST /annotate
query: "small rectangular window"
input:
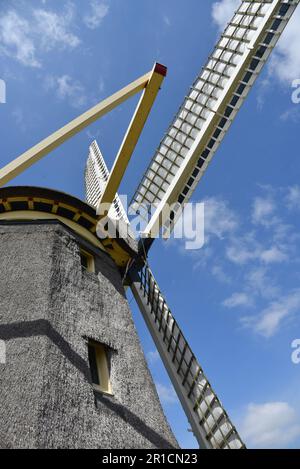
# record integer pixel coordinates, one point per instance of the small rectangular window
(87, 261)
(99, 366)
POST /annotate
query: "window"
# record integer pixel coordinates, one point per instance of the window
(87, 261)
(99, 367)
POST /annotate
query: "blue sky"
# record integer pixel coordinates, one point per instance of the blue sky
(238, 298)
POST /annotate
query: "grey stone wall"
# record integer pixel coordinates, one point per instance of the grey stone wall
(48, 308)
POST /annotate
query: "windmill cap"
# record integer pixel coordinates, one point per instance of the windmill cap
(161, 69)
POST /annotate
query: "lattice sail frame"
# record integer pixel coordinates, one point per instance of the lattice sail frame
(96, 176)
(208, 111)
(209, 420)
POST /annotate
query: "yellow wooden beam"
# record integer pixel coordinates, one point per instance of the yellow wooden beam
(17, 166)
(131, 137)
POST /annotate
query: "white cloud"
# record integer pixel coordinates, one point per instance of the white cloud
(238, 299)
(273, 255)
(18, 115)
(285, 61)
(16, 39)
(219, 220)
(66, 87)
(291, 115)
(98, 11)
(54, 30)
(202, 258)
(270, 319)
(42, 30)
(223, 11)
(166, 394)
(254, 251)
(201, 222)
(263, 211)
(167, 21)
(293, 198)
(245, 249)
(242, 249)
(270, 425)
(218, 272)
(153, 357)
(101, 86)
(260, 283)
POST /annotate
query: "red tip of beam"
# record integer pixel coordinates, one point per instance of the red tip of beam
(161, 69)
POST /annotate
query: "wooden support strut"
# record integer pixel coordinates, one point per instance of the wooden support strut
(34, 154)
(131, 137)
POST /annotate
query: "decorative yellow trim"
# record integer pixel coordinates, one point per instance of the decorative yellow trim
(6, 205)
(21, 215)
(77, 216)
(111, 246)
(55, 208)
(119, 255)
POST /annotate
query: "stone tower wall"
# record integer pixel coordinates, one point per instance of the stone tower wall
(49, 307)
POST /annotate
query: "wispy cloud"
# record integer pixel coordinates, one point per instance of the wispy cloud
(153, 357)
(251, 255)
(285, 62)
(167, 21)
(98, 10)
(293, 198)
(166, 393)
(269, 320)
(273, 255)
(218, 272)
(260, 283)
(291, 115)
(238, 299)
(54, 29)
(16, 40)
(66, 87)
(25, 38)
(18, 116)
(270, 425)
(220, 220)
(263, 211)
(241, 249)
(223, 10)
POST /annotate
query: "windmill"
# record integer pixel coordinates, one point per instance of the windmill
(176, 168)
(178, 164)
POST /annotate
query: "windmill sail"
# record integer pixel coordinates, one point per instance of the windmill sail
(96, 177)
(209, 421)
(208, 110)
